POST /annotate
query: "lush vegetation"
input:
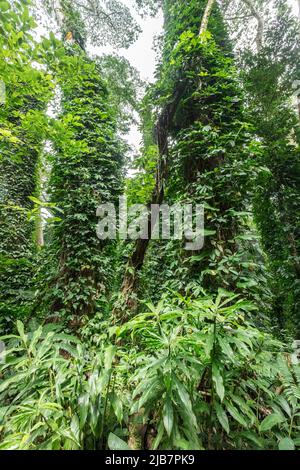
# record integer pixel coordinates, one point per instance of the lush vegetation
(141, 344)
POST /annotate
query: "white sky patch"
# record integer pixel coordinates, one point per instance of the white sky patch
(142, 56)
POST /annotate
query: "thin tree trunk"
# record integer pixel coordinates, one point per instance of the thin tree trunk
(59, 14)
(39, 230)
(136, 260)
(206, 16)
(260, 23)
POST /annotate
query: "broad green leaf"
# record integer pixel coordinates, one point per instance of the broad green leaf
(117, 407)
(109, 357)
(222, 417)
(270, 421)
(11, 380)
(159, 436)
(236, 414)
(226, 348)
(150, 393)
(168, 416)
(4, 6)
(115, 443)
(218, 381)
(20, 328)
(209, 343)
(83, 403)
(258, 441)
(75, 428)
(35, 338)
(286, 444)
(186, 402)
(284, 405)
(35, 200)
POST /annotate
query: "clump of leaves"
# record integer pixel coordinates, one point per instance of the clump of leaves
(207, 378)
(55, 394)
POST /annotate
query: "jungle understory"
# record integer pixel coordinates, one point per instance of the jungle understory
(132, 332)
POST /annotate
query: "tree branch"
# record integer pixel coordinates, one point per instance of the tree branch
(206, 16)
(260, 23)
(241, 17)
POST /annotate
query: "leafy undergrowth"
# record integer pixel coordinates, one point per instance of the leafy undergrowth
(185, 374)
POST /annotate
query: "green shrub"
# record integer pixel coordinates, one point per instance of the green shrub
(185, 374)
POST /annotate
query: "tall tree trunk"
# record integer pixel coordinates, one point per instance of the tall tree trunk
(206, 16)
(136, 261)
(39, 230)
(260, 23)
(59, 13)
(81, 179)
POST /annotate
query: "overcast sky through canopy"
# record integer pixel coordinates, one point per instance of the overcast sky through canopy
(141, 54)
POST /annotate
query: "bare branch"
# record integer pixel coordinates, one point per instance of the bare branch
(238, 17)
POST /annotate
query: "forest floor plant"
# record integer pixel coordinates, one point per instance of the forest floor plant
(195, 373)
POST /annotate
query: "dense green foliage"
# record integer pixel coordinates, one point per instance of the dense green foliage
(86, 170)
(270, 79)
(213, 160)
(196, 370)
(116, 344)
(22, 130)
